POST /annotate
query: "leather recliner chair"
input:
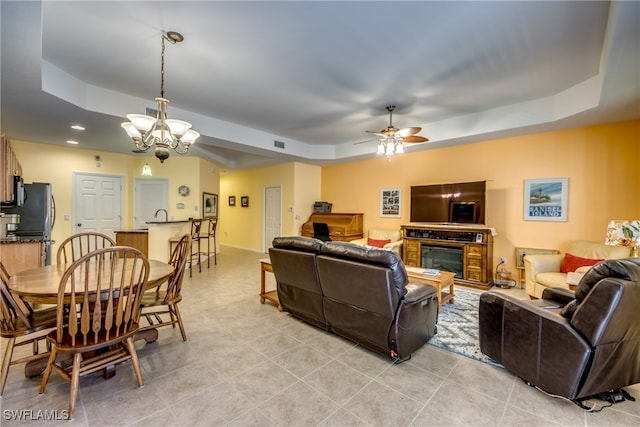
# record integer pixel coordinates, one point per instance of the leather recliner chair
(588, 345)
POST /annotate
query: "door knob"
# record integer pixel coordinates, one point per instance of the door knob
(79, 225)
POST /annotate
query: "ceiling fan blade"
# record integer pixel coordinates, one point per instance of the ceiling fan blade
(409, 131)
(374, 132)
(414, 138)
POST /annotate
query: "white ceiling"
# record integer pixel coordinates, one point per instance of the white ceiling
(316, 75)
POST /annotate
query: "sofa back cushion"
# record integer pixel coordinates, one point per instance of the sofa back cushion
(293, 260)
(384, 234)
(372, 256)
(592, 250)
(361, 294)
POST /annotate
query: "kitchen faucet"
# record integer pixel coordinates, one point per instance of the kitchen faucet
(166, 215)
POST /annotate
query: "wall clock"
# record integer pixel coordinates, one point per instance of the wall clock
(183, 190)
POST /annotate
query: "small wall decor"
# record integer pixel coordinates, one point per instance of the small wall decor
(390, 202)
(232, 200)
(546, 199)
(244, 201)
(209, 205)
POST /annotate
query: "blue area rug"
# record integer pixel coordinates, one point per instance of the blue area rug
(458, 326)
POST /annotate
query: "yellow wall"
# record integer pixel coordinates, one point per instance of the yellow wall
(243, 227)
(601, 162)
(55, 164)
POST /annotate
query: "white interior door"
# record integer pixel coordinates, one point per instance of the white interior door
(97, 203)
(272, 215)
(149, 196)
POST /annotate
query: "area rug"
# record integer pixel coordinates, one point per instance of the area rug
(458, 326)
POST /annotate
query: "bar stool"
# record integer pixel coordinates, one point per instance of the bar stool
(196, 225)
(211, 233)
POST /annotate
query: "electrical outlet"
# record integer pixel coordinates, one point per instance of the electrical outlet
(503, 260)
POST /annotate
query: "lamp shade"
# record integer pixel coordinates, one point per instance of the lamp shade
(141, 122)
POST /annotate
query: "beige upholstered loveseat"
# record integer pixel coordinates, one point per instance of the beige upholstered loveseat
(377, 237)
(544, 271)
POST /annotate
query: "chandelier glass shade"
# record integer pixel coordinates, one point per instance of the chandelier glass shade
(159, 131)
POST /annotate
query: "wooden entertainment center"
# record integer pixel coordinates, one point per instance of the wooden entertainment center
(466, 250)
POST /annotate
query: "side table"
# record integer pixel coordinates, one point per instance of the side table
(442, 280)
(265, 266)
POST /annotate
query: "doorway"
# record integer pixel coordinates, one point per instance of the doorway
(97, 203)
(272, 215)
(149, 196)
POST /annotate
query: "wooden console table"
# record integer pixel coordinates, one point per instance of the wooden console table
(265, 266)
(473, 243)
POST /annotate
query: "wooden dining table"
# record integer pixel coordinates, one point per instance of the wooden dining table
(40, 286)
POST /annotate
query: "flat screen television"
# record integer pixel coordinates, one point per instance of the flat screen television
(457, 203)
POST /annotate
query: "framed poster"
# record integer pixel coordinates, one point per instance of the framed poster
(244, 201)
(390, 202)
(232, 200)
(546, 199)
(209, 205)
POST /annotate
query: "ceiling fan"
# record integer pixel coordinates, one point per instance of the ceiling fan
(407, 134)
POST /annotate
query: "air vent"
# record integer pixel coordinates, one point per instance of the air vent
(151, 112)
(278, 144)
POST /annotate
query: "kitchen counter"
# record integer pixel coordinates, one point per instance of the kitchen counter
(159, 234)
(25, 239)
(136, 239)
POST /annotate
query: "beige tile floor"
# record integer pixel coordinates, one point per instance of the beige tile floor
(247, 364)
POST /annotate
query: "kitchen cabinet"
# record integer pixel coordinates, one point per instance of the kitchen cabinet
(134, 239)
(19, 256)
(9, 166)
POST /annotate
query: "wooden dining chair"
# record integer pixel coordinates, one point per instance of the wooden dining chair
(5, 276)
(103, 290)
(20, 328)
(163, 301)
(212, 224)
(77, 245)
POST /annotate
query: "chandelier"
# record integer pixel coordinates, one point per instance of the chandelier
(147, 131)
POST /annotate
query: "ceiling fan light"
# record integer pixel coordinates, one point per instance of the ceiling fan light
(389, 151)
(399, 148)
(141, 122)
(380, 148)
(178, 127)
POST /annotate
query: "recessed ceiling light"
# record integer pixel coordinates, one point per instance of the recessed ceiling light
(70, 141)
(77, 127)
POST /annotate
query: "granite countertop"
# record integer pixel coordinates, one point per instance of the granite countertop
(25, 239)
(167, 222)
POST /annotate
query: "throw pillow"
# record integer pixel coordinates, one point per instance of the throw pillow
(378, 243)
(571, 262)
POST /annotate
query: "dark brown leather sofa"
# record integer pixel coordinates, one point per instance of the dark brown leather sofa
(357, 292)
(590, 344)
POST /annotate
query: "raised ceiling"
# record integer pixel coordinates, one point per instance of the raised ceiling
(316, 75)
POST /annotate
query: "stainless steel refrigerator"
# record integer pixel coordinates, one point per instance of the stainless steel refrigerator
(37, 215)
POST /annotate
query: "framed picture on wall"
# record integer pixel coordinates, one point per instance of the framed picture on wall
(390, 202)
(244, 201)
(546, 199)
(209, 205)
(232, 200)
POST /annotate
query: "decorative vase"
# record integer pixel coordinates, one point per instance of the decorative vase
(634, 252)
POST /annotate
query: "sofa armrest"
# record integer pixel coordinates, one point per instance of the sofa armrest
(536, 344)
(395, 247)
(536, 264)
(560, 295)
(418, 291)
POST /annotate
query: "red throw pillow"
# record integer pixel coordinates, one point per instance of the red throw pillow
(378, 243)
(571, 262)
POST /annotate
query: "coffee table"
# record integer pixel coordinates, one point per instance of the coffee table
(440, 282)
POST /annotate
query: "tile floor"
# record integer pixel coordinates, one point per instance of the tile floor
(247, 364)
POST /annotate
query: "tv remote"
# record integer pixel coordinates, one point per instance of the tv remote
(431, 272)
